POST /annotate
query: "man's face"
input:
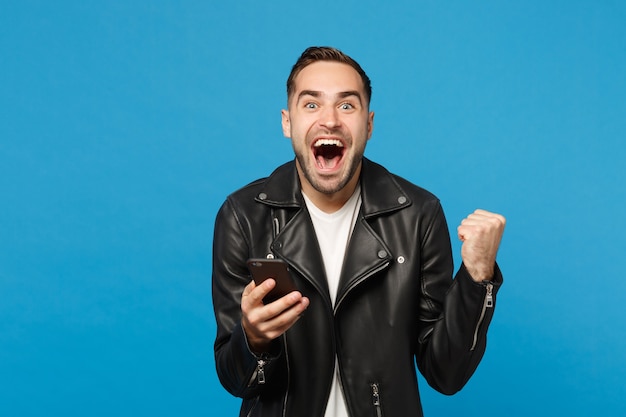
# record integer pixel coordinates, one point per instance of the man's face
(329, 124)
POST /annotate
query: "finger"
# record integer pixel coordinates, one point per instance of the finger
(270, 321)
(460, 232)
(483, 218)
(280, 323)
(253, 295)
(248, 288)
(283, 304)
(259, 314)
(480, 214)
(474, 218)
(262, 290)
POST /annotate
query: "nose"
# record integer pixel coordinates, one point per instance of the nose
(329, 118)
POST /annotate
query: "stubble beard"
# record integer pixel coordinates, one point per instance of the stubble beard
(334, 186)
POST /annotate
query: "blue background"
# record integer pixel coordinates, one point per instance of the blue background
(124, 125)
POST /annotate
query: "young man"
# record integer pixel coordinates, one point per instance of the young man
(371, 257)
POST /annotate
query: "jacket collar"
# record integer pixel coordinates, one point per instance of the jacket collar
(367, 252)
(380, 192)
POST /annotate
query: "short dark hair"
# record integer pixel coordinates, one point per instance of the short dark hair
(326, 53)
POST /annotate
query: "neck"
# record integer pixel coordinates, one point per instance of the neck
(329, 203)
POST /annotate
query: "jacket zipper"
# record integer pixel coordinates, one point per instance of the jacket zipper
(487, 303)
(256, 401)
(376, 400)
(284, 414)
(375, 271)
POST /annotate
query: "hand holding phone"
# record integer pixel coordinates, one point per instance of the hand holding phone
(277, 269)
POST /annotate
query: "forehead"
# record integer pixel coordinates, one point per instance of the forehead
(328, 77)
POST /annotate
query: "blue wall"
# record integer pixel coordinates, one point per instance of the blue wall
(124, 125)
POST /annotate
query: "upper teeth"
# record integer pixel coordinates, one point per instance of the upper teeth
(323, 142)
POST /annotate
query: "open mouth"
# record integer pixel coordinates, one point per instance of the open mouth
(328, 153)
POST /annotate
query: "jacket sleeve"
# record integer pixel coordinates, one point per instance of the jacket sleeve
(454, 315)
(241, 372)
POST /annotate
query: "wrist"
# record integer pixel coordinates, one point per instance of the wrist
(256, 344)
(480, 274)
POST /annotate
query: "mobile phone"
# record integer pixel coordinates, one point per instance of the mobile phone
(277, 269)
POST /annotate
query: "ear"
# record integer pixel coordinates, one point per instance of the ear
(370, 124)
(286, 123)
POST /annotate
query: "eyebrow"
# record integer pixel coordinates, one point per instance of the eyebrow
(342, 94)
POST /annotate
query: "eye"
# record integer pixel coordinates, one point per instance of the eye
(346, 106)
(310, 106)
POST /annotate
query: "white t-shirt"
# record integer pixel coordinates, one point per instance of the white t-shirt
(333, 232)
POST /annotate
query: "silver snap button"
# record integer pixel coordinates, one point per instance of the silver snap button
(402, 199)
(401, 259)
(262, 196)
(382, 254)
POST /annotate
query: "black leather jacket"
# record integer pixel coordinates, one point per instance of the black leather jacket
(396, 301)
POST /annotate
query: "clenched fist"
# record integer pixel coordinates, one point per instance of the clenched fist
(481, 233)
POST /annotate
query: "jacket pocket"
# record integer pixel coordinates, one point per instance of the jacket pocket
(376, 403)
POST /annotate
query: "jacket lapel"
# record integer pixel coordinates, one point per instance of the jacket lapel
(366, 255)
(297, 244)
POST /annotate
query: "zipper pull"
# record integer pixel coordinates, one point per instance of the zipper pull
(375, 395)
(376, 400)
(260, 372)
(489, 298)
